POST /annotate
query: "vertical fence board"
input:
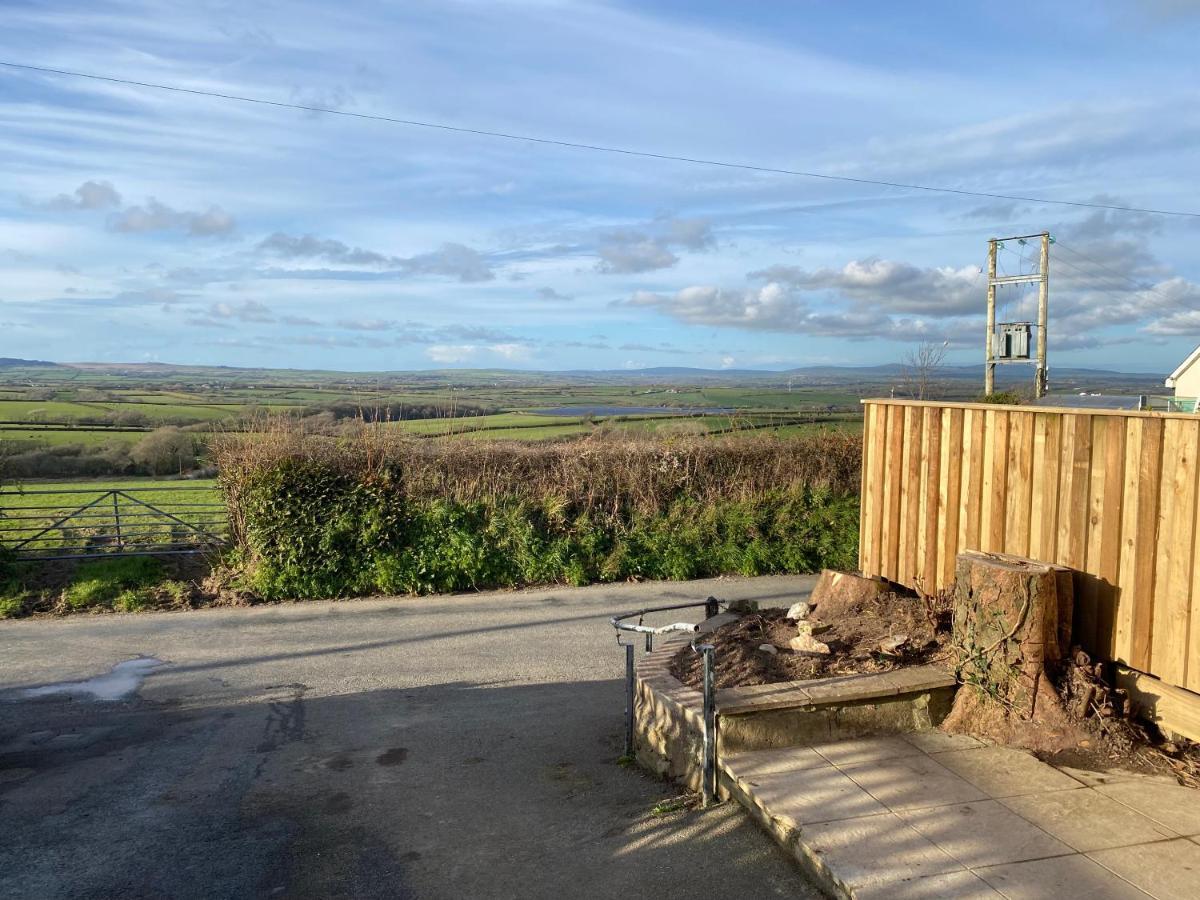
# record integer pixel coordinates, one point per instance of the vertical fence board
(1177, 518)
(1074, 513)
(995, 523)
(912, 495)
(1043, 517)
(952, 456)
(1108, 567)
(1193, 663)
(866, 502)
(1019, 483)
(1145, 598)
(931, 507)
(1066, 475)
(868, 507)
(973, 431)
(1192, 679)
(907, 452)
(1087, 593)
(890, 569)
(879, 445)
(922, 502)
(1113, 495)
(1133, 496)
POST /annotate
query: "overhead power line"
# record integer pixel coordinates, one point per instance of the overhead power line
(598, 148)
(1099, 265)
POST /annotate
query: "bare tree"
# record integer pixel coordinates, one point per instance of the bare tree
(165, 450)
(922, 368)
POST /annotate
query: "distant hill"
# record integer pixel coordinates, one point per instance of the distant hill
(8, 362)
(876, 380)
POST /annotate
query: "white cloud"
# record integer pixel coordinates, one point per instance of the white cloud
(453, 260)
(246, 311)
(890, 285)
(628, 251)
(308, 246)
(89, 195)
(511, 351)
(451, 353)
(156, 216)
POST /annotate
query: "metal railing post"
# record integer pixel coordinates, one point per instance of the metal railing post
(629, 699)
(709, 787)
(117, 518)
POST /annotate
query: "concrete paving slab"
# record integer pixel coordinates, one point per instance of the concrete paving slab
(1096, 779)
(1001, 772)
(764, 762)
(864, 750)
(874, 850)
(940, 742)
(1062, 878)
(984, 833)
(843, 688)
(1171, 805)
(812, 795)
(913, 782)
(1087, 820)
(762, 696)
(1169, 870)
(951, 886)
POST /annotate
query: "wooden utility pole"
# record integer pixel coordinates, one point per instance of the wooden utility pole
(989, 372)
(1043, 316)
(1013, 337)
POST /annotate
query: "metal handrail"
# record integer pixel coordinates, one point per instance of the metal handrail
(711, 608)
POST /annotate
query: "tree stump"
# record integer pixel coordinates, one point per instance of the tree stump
(835, 592)
(1012, 629)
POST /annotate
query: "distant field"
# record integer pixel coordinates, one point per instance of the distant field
(147, 402)
(21, 493)
(37, 437)
(27, 510)
(68, 411)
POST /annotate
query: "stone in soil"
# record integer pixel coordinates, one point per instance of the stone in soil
(852, 640)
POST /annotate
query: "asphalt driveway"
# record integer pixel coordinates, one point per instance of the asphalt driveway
(442, 747)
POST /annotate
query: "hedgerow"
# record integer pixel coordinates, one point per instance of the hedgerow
(315, 516)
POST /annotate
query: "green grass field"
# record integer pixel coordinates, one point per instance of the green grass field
(30, 507)
(45, 437)
(28, 404)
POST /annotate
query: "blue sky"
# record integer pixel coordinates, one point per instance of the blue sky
(142, 225)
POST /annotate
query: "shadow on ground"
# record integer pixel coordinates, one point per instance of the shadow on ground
(453, 790)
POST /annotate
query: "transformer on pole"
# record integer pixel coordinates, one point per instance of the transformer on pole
(1009, 342)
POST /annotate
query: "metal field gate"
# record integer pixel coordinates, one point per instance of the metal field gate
(67, 523)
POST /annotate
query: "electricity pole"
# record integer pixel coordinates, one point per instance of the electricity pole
(989, 372)
(1039, 387)
(1011, 343)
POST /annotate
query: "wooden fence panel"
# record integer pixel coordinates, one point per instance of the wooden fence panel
(1112, 494)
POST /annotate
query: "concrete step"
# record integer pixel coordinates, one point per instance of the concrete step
(945, 816)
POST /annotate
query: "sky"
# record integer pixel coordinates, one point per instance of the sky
(143, 225)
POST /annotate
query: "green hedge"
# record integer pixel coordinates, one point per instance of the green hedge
(312, 529)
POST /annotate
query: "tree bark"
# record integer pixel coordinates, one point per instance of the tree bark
(1012, 629)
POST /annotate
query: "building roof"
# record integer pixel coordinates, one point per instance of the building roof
(1183, 367)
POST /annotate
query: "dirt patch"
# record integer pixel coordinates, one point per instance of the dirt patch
(1115, 738)
(875, 634)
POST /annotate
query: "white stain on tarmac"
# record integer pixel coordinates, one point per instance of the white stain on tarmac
(119, 683)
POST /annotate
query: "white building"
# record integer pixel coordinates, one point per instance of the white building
(1186, 379)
